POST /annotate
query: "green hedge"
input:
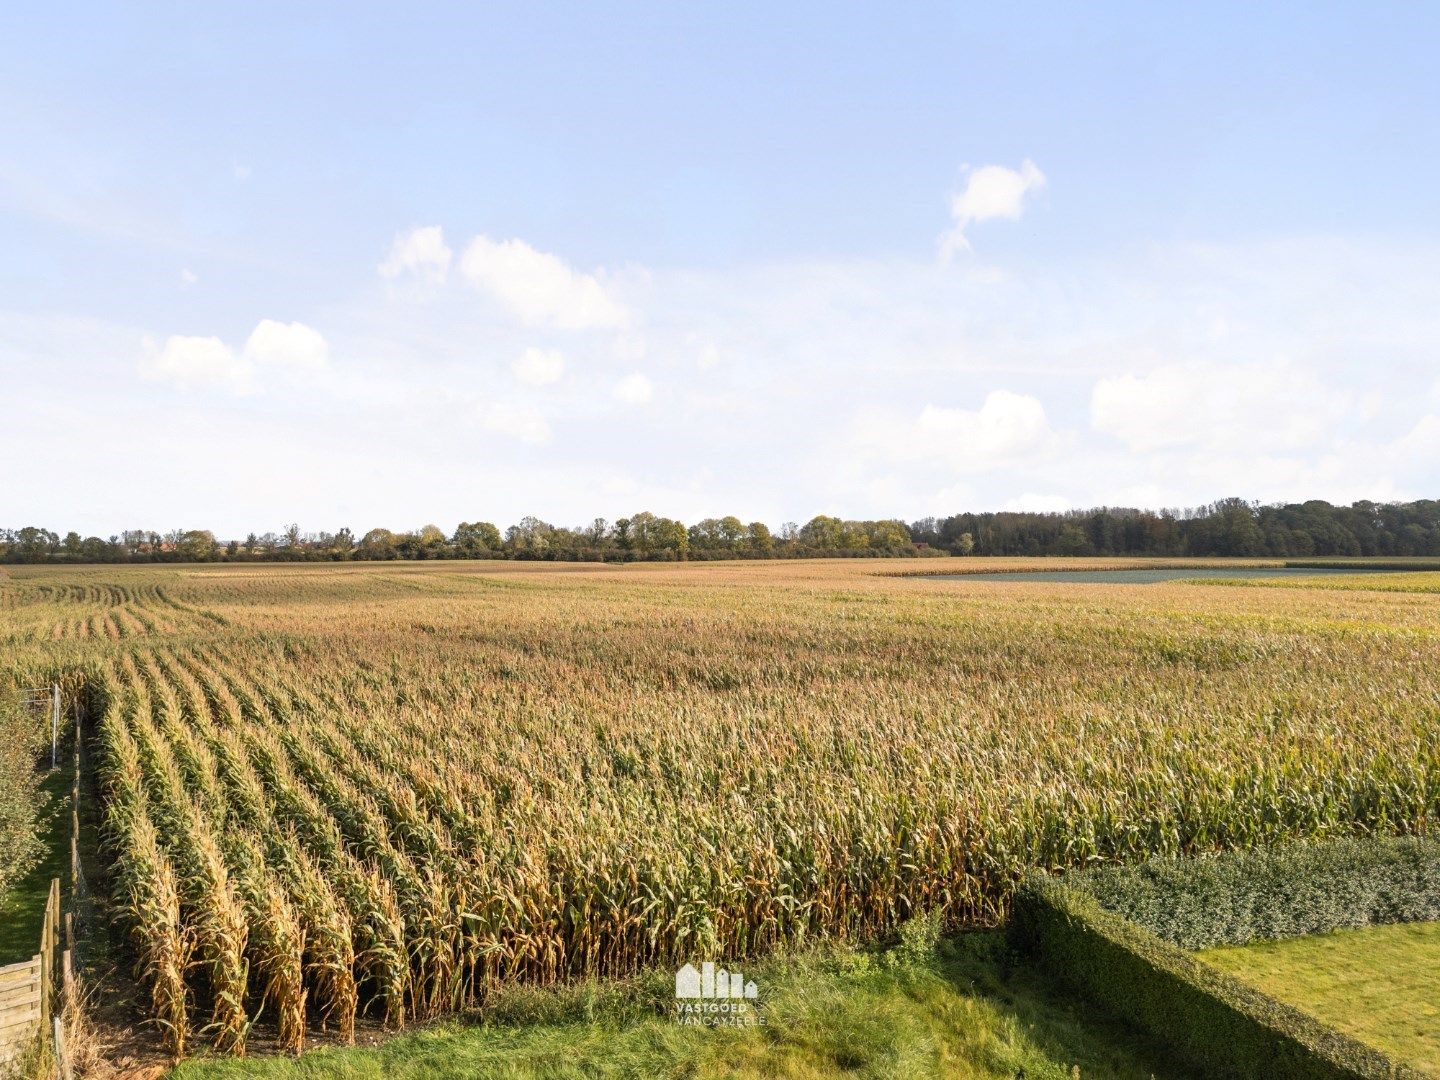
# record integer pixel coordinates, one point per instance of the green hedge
(1239, 897)
(1213, 1022)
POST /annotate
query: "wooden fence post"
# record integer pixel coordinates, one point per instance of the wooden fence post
(54, 726)
(44, 985)
(62, 1052)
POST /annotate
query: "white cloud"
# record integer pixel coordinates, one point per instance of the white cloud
(1037, 504)
(539, 367)
(812, 351)
(287, 345)
(1275, 406)
(188, 277)
(1007, 428)
(521, 422)
(539, 288)
(1006, 425)
(634, 389)
(241, 172)
(1422, 442)
(196, 362)
(203, 362)
(991, 192)
(422, 252)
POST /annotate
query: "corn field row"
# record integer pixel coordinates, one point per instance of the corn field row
(336, 793)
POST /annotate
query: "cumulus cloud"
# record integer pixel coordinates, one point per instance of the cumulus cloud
(539, 288)
(287, 345)
(421, 252)
(1006, 424)
(196, 362)
(1274, 406)
(539, 367)
(634, 389)
(990, 192)
(1006, 428)
(521, 422)
(207, 362)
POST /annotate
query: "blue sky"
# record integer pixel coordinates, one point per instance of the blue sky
(358, 265)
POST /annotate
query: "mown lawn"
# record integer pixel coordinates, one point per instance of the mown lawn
(1380, 984)
(22, 909)
(961, 1011)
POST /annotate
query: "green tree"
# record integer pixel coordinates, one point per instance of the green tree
(889, 535)
(196, 545)
(822, 533)
(758, 538)
(530, 536)
(476, 539)
(378, 544)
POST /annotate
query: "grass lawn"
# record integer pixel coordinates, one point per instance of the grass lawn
(22, 909)
(1380, 984)
(960, 1011)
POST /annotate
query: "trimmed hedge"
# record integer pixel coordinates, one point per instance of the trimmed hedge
(1268, 893)
(1212, 1021)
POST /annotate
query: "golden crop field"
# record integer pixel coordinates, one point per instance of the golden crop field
(386, 789)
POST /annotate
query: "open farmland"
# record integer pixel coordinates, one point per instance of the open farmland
(389, 789)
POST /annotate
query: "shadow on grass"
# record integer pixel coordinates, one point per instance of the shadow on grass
(1058, 1024)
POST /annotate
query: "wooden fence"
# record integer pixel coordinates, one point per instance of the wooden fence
(31, 992)
(28, 995)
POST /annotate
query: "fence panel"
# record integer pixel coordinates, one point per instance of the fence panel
(27, 989)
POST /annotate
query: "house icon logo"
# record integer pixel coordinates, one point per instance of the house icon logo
(713, 997)
(707, 982)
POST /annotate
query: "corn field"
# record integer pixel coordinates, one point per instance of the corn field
(383, 791)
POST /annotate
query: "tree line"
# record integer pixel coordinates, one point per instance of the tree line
(1227, 527)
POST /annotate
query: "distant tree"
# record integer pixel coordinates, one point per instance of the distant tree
(822, 533)
(758, 538)
(430, 543)
(530, 537)
(965, 544)
(476, 539)
(1073, 541)
(196, 545)
(378, 544)
(730, 531)
(670, 537)
(888, 535)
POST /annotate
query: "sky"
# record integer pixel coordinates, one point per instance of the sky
(388, 265)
